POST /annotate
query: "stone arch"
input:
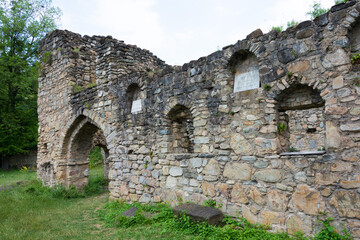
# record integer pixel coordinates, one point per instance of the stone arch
(245, 67)
(86, 131)
(301, 119)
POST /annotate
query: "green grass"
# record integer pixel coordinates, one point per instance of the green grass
(96, 172)
(25, 216)
(13, 176)
(32, 211)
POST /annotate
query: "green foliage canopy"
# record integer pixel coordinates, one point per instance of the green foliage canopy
(23, 23)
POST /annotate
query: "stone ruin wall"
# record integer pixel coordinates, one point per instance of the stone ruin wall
(220, 127)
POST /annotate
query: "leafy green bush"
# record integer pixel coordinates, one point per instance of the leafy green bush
(328, 232)
(281, 127)
(355, 58)
(316, 10)
(267, 87)
(210, 203)
(341, 1)
(278, 28)
(292, 23)
(293, 149)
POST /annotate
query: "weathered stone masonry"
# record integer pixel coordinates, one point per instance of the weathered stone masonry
(220, 127)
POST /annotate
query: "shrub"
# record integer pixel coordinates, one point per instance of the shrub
(341, 1)
(316, 10)
(279, 28)
(267, 87)
(281, 127)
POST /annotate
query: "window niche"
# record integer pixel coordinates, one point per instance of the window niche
(301, 119)
(354, 37)
(182, 130)
(134, 99)
(245, 68)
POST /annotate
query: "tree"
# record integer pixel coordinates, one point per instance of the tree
(23, 23)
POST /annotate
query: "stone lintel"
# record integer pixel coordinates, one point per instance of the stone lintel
(302, 153)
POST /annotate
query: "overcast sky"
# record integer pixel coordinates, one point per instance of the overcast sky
(178, 31)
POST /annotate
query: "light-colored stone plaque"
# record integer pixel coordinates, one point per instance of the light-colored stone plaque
(247, 81)
(136, 106)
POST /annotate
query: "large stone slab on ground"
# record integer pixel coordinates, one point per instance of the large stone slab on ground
(199, 213)
(130, 212)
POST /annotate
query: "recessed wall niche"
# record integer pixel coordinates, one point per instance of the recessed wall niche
(354, 37)
(182, 130)
(245, 67)
(301, 119)
(134, 99)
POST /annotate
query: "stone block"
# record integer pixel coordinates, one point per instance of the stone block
(285, 56)
(264, 145)
(223, 188)
(296, 224)
(304, 33)
(338, 82)
(347, 203)
(199, 213)
(255, 34)
(130, 212)
(277, 200)
(268, 175)
(145, 198)
(338, 58)
(308, 200)
(238, 194)
(301, 66)
(269, 218)
(326, 178)
(171, 182)
(201, 140)
(212, 168)
(208, 189)
(237, 171)
(351, 155)
(349, 184)
(256, 196)
(176, 171)
(240, 145)
(355, 111)
(252, 218)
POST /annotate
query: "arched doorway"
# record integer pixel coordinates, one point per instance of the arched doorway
(83, 137)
